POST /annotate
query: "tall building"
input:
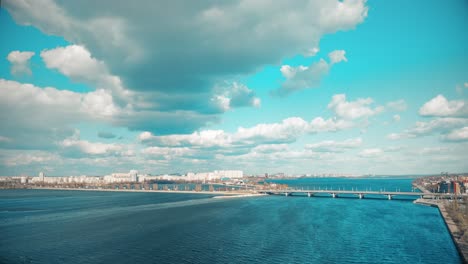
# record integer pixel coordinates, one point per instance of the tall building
(236, 174)
(41, 176)
(456, 187)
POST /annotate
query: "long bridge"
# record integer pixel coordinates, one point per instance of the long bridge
(361, 194)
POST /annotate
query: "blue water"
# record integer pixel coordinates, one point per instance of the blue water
(41, 226)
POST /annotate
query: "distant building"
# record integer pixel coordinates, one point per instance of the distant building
(215, 175)
(444, 187)
(131, 176)
(41, 176)
(456, 187)
(231, 174)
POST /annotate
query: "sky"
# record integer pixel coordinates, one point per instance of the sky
(299, 87)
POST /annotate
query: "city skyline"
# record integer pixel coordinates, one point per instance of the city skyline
(359, 87)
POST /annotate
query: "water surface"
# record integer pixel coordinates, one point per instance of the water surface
(42, 226)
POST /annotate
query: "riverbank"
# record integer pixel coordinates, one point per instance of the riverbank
(240, 196)
(455, 233)
(218, 193)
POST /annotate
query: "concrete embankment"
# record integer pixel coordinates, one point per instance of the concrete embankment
(455, 233)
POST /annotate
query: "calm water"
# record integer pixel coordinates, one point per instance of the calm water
(39, 226)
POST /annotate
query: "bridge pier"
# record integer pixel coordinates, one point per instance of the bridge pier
(360, 195)
(334, 195)
(389, 196)
(309, 194)
(287, 194)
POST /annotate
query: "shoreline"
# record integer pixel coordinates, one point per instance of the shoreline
(461, 246)
(453, 229)
(240, 196)
(218, 193)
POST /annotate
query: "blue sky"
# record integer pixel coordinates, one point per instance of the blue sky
(345, 87)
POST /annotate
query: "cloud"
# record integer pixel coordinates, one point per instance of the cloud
(104, 134)
(439, 106)
(301, 77)
(77, 63)
(35, 117)
(269, 148)
(371, 153)
(304, 77)
(197, 44)
(167, 153)
(399, 105)
(15, 158)
(163, 122)
(353, 109)
(335, 146)
(396, 118)
(205, 138)
(91, 148)
(436, 126)
(75, 147)
(337, 56)
(320, 124)
(235, 95)
(460, 134)
(20, 62)
(162, 68)
(286, 131)
(57, 111)
(4, 139)
(460, 88)
(241, 95)
(74, 61)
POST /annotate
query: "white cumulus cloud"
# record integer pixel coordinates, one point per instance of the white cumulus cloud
(440, 106)
(460, 134)
(353, 109)
(304, 77)
(371, 153)
(337, 56)
(20, 62)
(335, 146)
(436, 126)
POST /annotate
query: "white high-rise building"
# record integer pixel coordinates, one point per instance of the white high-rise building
(215, 175)
(131, 176)
(232, 174)
(41, 176)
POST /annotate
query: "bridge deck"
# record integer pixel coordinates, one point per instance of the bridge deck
(357, 192)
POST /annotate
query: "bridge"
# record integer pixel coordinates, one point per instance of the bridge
(361, 194)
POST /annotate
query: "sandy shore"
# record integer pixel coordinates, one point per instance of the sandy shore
(240, 196)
